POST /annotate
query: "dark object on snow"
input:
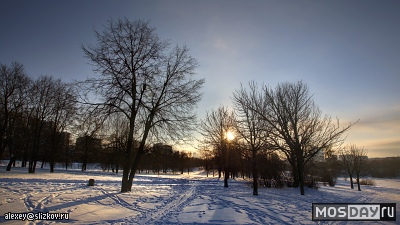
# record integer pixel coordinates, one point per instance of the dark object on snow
(91, 182)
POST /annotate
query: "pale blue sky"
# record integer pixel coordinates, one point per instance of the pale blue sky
(348, 52)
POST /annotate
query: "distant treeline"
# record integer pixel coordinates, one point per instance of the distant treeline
(388, 167)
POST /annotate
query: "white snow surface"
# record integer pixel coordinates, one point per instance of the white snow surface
(173, 199)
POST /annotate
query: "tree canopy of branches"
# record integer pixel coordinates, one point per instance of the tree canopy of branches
(13, 85)
(34, 115)
(298, 129)
(51, 107)
(251, 128)
(353, 159)
(140, 78)
(214, 128)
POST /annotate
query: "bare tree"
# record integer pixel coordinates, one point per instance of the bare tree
(206, 156)
(63, 110)
(298, 128)
(353, 159)
(214, 129)
(118, 127)
(39, 115)
(13, 95)
(347, 160)
(154, 90)
(360, 159)
(251, 128)
(89, 127)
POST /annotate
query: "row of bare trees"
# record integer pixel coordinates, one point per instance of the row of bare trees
(388, 167)
(283, 119)
(34, 114)
(144, 90)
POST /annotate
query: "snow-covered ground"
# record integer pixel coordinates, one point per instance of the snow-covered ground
(172, 199)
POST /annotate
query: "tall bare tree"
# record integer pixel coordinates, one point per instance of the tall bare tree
(39, 115)
(63, 110)
(299, 130)
(353, 159)
(206, 156)
(347, 160)
(13, 94)
(118, 127)
(251, 128)
(214, 129)
(90, 126)
(360, 157)
(155, 90)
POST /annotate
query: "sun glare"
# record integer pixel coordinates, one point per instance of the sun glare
(230, 136)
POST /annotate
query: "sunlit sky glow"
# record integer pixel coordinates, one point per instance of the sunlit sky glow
(229, 135)
(348, 52)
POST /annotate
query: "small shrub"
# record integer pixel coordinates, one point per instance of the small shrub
(329, 179)
(310, 182)
(280, 183)
(367, 182)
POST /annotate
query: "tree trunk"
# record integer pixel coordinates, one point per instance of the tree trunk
(125, 175)
(23, 163)
(301, 182)
(32, 163)
(301, 179)
(24, 159)
(53, 149)
(125, 186)
(134, 166)
(32, 166)
(300, 170)
(295, 175)
(52, 166)
(255, 174)
(226, 175)
(128, 180)
(2, 149)
(358, 181)
(52, 163)
(84, 165)
(351, 181)
(10, 163)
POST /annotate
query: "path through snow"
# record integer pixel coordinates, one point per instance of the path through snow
(171, 199)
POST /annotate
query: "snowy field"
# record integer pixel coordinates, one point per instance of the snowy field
(172, 199)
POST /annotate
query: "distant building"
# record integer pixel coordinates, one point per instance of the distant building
(86, 147)
(162, 149)
(163, 156)
(88, 150)
(86, 141)
(320, 156)
(64, 140)
(323, 155)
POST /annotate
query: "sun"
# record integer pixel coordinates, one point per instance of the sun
(230, 136)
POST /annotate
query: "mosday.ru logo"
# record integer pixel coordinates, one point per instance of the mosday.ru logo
(363, 211)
